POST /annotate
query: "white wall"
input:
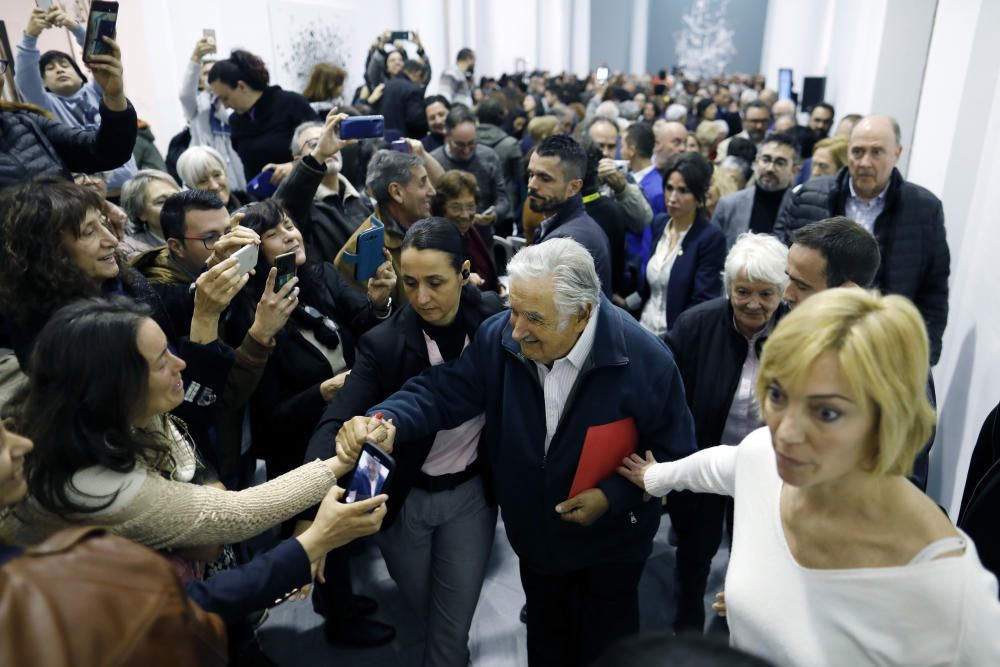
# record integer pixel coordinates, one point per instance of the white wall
(954, 154)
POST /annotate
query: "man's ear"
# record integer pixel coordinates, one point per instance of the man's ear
(575, 186)
(396, 192)
(175, 247)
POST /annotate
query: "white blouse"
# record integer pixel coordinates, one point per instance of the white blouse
(654, 313)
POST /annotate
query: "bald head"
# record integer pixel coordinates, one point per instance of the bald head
(783, 107)
(872, 153)
(670, 140)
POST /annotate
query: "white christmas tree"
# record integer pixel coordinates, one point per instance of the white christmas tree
(705, 44)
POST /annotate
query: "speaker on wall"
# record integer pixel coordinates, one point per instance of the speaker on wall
(813, 90)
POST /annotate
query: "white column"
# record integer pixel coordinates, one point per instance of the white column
(638, 38)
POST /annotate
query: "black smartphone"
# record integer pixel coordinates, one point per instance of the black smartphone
(362, 127)
(369, 256)
(286, 269)
(400, 34)
(101, 22)
(372, 475)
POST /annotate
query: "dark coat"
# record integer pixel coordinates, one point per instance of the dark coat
(697, 272)
(485, 165)
(610, 216)
(981, 499)
(910, 234)
(32, 145)
(709, 353)
(388, 356)
(572, 222)
(629, 375)
(402, 104)
(326, 224)
(264, 134)
(287, 403)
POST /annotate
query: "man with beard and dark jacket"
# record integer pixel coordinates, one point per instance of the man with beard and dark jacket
(403, 101)
(555, 179)
(462, 150)
(325, 206)
(906, 220)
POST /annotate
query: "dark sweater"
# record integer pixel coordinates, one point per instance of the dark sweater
(765, 210)
(264, 133)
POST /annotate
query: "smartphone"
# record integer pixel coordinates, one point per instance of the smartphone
(44, 5)
(247, 255)
(400, 34)
(372, 475)
(602, 75)
(362, 127)
(622, 167)
(369, 251)
(101, 22)
(401, 145)
(260, 186)
(286, 269)
(209, 33)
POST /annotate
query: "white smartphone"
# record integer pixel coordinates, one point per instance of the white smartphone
(44, 5)
(247, 256)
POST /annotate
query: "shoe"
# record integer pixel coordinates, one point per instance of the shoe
(364, 605)
(524, 613)
(356, 631)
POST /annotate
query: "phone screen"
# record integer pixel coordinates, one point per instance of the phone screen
(286, 269)
(370, 476)
(101, 23)
(602, 74)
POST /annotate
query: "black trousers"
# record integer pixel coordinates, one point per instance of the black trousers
(697, 518)
(574, 616)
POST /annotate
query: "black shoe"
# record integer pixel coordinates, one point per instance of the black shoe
(364, 605)
(524, 613)
(356, 631)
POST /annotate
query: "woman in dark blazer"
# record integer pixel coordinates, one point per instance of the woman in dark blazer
(438, 537)
(685, 267)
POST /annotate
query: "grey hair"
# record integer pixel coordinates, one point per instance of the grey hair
(575, 284)
(761, 257)
(133, 198)
(194, 163)
(297, 134)
(675, 112)
(387, 167)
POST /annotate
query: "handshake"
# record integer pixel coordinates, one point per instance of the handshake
(355, 433)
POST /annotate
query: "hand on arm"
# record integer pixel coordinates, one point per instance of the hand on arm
(634, 467)
(359, 430)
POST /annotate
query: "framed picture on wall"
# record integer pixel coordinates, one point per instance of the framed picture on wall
(9, 89)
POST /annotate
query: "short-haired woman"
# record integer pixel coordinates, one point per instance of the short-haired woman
(456, 200)
(688, 252)
(202, 168)
(717, 346)
(839, 558)
(142, 198)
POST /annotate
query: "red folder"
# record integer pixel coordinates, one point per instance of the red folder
(603, 450)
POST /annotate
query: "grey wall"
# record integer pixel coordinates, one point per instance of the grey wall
(610, 27)
(746, 17)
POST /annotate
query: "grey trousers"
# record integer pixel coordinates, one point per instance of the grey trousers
(436, 552)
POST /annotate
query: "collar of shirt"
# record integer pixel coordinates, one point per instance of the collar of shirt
(641, 174)
(581, 349)
(322, 192)
(752, 340)
(874, 201)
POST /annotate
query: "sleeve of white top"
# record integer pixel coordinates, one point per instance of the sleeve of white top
(711, 470)
(979, 643)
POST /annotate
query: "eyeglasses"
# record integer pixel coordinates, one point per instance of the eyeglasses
(458, 209)
(778, 162)
(463, 145)
(208, 241)
(309, 145)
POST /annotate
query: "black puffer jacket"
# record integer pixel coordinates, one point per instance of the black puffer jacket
(911, 237)
(32, 144)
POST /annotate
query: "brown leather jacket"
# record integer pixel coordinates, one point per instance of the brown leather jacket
(86, 597)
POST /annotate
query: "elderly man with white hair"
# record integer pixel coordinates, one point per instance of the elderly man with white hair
(717, 346)
(568, 382)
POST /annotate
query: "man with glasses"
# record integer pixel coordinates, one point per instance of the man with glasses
(756, 208)
(463, 151)
(756, 121)
(325, 206)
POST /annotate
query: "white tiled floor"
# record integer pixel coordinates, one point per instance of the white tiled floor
(293, 635)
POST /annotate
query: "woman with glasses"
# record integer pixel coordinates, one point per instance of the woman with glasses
(456, 200)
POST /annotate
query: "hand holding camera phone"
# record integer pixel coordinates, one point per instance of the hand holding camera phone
(362, 127)
(286, 269)
(247, 256)
(368, 257)
(101, 22)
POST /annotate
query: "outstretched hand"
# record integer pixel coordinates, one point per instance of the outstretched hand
(634, 467)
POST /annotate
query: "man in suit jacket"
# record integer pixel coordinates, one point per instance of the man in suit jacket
(403, 101)
(637, 148)
(756, 208)
(368, 479)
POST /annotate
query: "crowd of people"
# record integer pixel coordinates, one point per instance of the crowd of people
(592, 294)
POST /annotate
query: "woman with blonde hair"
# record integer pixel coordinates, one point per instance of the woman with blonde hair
(837, 557)
(829, 155)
